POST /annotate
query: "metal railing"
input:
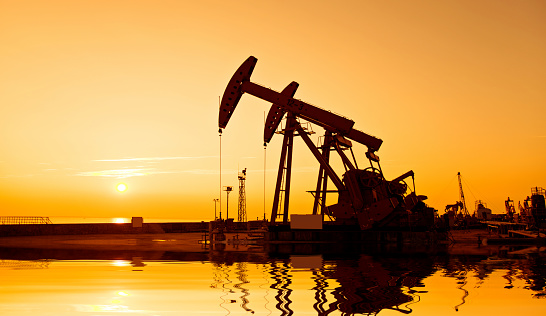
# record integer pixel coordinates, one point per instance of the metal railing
(25, 264)
(20, 220)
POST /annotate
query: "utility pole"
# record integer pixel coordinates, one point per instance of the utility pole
(227, 189)
(215, 200)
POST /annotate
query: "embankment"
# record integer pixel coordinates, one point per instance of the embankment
(100, 228)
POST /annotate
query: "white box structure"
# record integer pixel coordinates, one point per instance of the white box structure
(306, 221)
(137, 221)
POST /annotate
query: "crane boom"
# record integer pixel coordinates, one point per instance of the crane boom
(461, 194)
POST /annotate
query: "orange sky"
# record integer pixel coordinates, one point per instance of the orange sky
(94, 93)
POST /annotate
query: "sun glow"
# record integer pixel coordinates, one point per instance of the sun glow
(120, 263)
(122, 187)
(118, 220)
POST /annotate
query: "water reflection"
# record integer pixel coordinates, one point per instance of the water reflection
(527, 265)
(242, 283)
(242, 274)
(282, 281)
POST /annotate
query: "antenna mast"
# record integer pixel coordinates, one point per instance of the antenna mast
(242, 197)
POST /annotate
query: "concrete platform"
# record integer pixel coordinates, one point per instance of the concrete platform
(100, 228)
(176, 242)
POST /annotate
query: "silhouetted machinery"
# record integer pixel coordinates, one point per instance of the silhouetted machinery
(533, 211)
(365, 197)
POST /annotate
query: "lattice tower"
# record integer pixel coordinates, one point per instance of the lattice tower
(242, 197)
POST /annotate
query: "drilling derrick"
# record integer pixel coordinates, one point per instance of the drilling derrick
(242, 197)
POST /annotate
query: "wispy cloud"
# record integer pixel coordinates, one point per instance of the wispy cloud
(119, 173)
(155, 158)
(17, 176)
(141, 167)
(140, 172)
(201, 171)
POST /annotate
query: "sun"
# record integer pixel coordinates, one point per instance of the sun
(122, 187)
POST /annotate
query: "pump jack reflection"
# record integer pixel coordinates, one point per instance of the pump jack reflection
(361, 285)
(351, 284)
(366, 286)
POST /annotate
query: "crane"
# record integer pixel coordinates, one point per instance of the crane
(364, 196)
(464, 210)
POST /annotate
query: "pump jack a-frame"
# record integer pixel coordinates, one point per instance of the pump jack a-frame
(364, 196)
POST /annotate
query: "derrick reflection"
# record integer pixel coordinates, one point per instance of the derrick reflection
(320, 292)
(283, 280)
(242, 274)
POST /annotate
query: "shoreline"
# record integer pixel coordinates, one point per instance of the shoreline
(194, 237)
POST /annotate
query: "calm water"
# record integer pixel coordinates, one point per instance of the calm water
(69, 282)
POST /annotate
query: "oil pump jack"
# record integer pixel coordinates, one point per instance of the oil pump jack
(365, 197)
